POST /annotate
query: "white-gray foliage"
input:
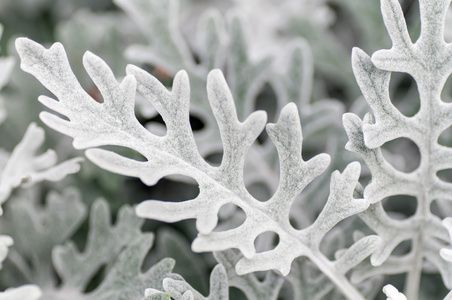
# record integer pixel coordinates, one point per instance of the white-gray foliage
(26, 168)
(112, 122)
(282, 206)
(427, 61)
(23, 167)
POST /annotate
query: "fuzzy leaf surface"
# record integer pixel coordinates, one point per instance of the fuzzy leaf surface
(113, 122)
(428, 61)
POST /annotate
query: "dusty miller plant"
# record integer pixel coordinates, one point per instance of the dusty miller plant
(280, 220)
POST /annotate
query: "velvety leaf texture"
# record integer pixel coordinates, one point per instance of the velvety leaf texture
(229, 130)
(428, 62)
(93, 124)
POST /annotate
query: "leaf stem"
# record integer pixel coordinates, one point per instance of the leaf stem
(339, 280)
(413, 278)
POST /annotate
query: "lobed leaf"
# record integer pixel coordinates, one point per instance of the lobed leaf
(93, 124)
(428, 62)
(26, 168)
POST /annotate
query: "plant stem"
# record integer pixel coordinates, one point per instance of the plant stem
(339, 280)
(413, 278)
